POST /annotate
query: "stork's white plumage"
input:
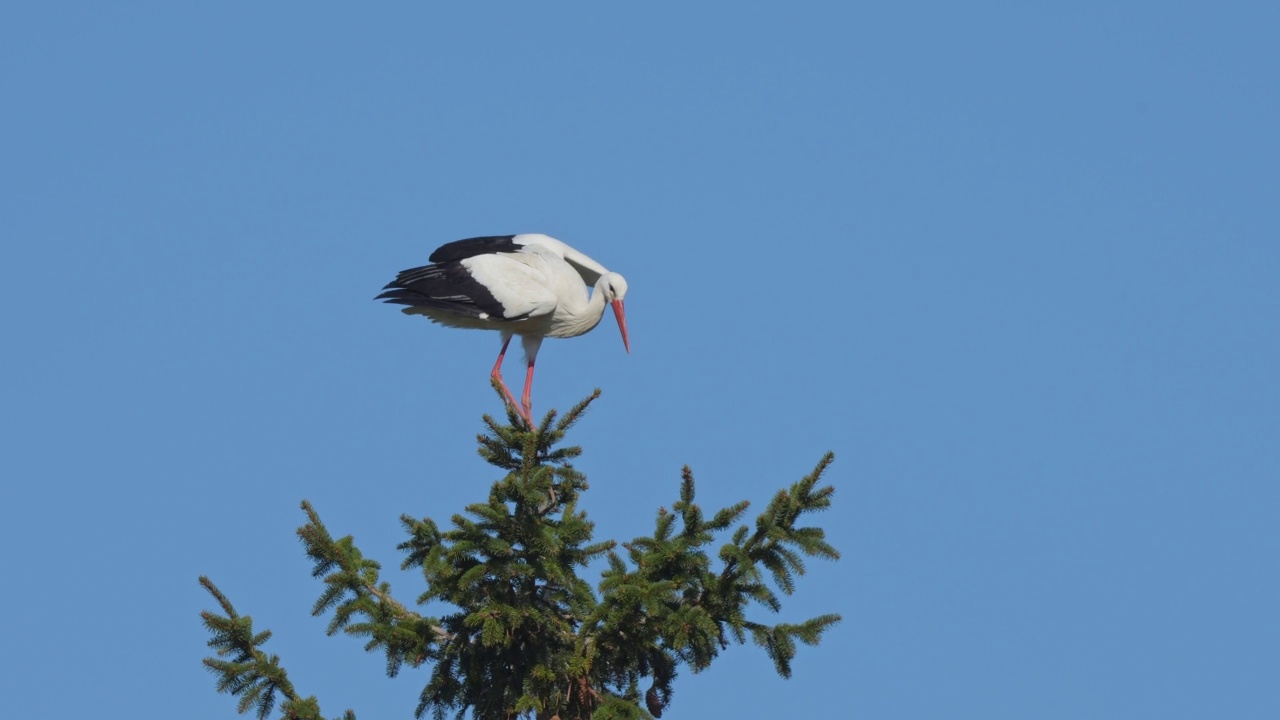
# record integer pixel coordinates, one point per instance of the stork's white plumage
(529, 285)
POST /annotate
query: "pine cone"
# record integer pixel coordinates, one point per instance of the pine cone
(653, 702)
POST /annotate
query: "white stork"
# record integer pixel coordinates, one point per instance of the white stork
(529, 285)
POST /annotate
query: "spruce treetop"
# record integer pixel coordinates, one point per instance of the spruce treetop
(527, 637)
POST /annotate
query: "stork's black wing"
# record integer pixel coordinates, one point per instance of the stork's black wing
(471, 247)
(446, 286)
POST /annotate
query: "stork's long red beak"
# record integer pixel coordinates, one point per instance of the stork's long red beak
(621, 314)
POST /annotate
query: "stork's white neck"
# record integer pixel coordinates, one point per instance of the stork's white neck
(575, 319)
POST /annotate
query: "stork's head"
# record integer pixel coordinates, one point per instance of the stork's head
(614, 287)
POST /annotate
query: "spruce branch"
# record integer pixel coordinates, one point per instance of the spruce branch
(362, 604)
(668, 607)
(250, 673)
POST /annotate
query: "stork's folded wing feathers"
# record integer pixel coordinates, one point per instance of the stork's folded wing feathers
(487, 287)
(443, 288)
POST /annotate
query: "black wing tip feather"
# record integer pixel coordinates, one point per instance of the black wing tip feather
(398, 296)
(414, 300)
(402, 282)
(406, 278)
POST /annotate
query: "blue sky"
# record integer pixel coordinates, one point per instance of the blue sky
(1017, 266)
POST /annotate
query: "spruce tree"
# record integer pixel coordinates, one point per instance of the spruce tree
(528, 637)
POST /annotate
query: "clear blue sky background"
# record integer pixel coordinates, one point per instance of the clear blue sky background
(1018, 267)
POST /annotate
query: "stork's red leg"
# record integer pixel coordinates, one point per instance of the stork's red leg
(497, 374)
(528, 388)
